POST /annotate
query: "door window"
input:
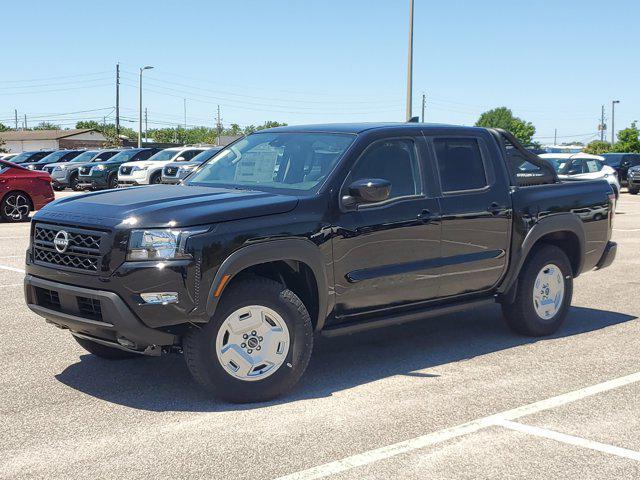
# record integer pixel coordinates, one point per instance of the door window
(189, 154)
(392, 160)
(593, 166)
(460, 164)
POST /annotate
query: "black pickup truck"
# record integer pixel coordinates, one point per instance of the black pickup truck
(330, 229)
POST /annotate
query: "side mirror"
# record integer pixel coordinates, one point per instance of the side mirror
(370, 190)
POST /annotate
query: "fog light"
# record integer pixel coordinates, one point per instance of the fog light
(162, 298)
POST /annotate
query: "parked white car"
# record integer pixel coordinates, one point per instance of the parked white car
(582, 166)
(7, 156)
(150, 171)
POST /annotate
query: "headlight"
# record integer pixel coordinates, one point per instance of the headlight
(159, 244)
(98, 168)
(31, 167)
(60, 167)
(139, 168)
(188, 168)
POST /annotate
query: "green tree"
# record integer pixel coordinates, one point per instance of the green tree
(502, 117)
(628, 140)
(109, 131)
(3, 127)
(47, 126)
(597, 147)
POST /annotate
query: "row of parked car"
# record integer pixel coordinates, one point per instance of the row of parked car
(111, 168)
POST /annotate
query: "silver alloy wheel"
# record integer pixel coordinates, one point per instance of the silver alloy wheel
(252, 343)
(548, 291)
(16, 206)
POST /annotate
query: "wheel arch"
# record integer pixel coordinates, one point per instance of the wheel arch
(280, 256)
(564, 230)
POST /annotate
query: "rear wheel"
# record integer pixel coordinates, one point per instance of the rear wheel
(256, 346)
(15, 207)
(58, 188)
(634, 191)
(103, 351)
(545, 288)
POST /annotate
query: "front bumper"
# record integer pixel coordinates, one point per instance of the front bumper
(608, 256)
(95, 314)
(92, 182)
(60, 178)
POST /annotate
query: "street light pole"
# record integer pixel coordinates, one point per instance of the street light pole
(613, 125)
(140, 107)
(410, 63)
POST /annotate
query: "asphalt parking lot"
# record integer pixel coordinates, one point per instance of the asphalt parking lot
(457, 397)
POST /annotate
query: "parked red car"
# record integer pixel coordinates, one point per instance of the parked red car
(22, 191)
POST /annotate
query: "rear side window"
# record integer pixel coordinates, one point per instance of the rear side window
(594, 166)
(392, 160)
(460, 164)
(189, 154)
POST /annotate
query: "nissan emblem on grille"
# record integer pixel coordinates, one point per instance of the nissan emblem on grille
(61, 241)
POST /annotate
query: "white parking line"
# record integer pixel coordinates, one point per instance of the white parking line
(11, 269)
(570, 439)
(12, 285)
(371, 456)
(626, 229)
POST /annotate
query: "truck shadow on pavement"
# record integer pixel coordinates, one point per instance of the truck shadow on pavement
(164, 384)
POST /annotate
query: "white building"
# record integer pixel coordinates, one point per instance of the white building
(20, 141)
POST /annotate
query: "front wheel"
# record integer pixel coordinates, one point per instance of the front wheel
(257, 345)
(633, 191)
(112, 182)
(73, 183)
(156, 178)
(545, 288)
(15, 207)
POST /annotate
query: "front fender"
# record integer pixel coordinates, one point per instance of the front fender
(301, 250)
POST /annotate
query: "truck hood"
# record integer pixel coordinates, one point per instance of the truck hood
(164, 206)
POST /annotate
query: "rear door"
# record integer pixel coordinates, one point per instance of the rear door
(476, 212)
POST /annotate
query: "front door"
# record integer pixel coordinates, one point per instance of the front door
(386, 254)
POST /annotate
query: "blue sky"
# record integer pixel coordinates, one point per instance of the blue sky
(553, 62)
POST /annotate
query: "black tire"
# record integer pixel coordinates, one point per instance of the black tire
(58, 188)
(521, 315)
(633, 191)
(103, 351)
(112, 182)
(200, 343)
(156, 178)
(73, 182)
(15, 207)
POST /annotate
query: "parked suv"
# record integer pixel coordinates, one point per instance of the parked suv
(150, 172)
(105, 174)
(66, 174)
(327, 229)
(621, 162)
(174, 172)
(633, 180)
(59, 156)
(582, 166)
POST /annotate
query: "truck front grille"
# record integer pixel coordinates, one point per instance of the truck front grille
(170, 171)
(85, 170)
(89, 308)
(48, 298)
(126, 170)
(82, 250)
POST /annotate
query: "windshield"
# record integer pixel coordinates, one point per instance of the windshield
(163, 155)
(612, 160)
(53, 157)
(122, 156)
(288, 161)
(204, 156)
(22, 157)
(85, 157)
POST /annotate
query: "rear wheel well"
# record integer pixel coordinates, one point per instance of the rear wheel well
(297, 276)
(566, 241)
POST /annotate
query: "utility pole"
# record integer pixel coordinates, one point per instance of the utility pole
(185, 113)
(424, 102)
(410, 63)
(602, 125)
(15, 112)
(148, 67)
(146, 124)
(555, 136)
(25, 121)
(118, 101)
(613, 119)
(218, 126)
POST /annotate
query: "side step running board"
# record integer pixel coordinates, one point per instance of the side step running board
(348, 328)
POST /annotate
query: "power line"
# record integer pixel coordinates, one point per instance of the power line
(55, 78)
